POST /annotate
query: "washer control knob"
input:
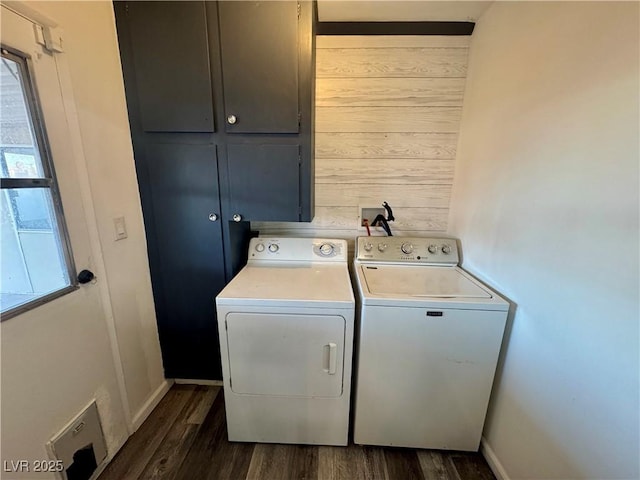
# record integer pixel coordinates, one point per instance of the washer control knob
(432, 249)
(368, 246)
(406, 248)
(260, 247)
(446, 249)
(273, 247)
(326, 249)
(382, 247)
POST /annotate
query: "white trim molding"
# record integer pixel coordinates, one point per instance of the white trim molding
(30, 13)
(190, 381)
(491, 458)
(150, 404)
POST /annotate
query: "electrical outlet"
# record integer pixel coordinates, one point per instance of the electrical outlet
(369, 213)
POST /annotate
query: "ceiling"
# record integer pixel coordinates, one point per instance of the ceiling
(400, 10)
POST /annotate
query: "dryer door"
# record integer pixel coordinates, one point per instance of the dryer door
(286, 354)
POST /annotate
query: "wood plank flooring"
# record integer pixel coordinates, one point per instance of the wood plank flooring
(185, 437)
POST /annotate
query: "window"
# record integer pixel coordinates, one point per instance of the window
(35, 260)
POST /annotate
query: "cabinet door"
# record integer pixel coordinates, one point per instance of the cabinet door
(259, 43)
(171, 59)
(190, 267)
(264, 182)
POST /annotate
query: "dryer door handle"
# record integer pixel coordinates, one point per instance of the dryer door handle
(332, 359)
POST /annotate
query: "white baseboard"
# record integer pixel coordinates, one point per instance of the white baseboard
(491, 458)
(150, 404)
(189, 381)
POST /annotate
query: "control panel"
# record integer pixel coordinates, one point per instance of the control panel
(417, 250)
(297, 249)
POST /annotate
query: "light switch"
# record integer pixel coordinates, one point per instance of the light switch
(120, 227)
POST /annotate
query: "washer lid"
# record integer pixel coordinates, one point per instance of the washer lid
(324, 285)
(420, 282)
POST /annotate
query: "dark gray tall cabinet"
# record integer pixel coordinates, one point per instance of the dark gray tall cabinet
(220, 100)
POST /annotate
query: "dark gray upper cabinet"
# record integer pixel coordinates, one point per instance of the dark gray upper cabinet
(171, 60)
(259, 46)
(271, 191)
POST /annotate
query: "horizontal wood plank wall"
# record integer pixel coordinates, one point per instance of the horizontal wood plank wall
(387, 117)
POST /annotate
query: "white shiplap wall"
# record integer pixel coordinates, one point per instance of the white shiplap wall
(387, 117)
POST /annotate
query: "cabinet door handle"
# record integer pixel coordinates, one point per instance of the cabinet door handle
(213, 217)
(237, 217)
(232, 119)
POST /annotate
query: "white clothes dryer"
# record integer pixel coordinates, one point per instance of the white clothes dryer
(286, 325)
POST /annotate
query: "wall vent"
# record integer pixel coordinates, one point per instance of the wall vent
(80, 445)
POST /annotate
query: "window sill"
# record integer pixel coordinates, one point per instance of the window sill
(15, 311)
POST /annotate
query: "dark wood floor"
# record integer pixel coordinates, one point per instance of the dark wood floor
(185, 437)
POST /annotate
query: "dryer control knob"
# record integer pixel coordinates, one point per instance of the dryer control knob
(273, 247)
(260, 247)
(446, 249)
(326, 249)
(382, 247)
(406, 248)
(432, 249)
(368, 246)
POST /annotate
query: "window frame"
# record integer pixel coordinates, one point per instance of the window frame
(48, 180)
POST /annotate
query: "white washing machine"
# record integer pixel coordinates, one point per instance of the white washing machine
(428, 341)
(286, 326)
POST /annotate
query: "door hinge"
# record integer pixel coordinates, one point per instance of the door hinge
(39, 32)
(299, 119)
(299, 159)
(298, 10)
(230, 382)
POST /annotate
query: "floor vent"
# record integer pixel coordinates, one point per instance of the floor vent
(80, 445)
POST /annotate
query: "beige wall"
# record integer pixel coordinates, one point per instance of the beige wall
(400, 10)
(546, 204)
(387, 117)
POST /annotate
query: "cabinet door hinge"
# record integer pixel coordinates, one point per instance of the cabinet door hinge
(299, 119)
(299, 159)
(226, 327)
(230, 382)
(298, 10)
